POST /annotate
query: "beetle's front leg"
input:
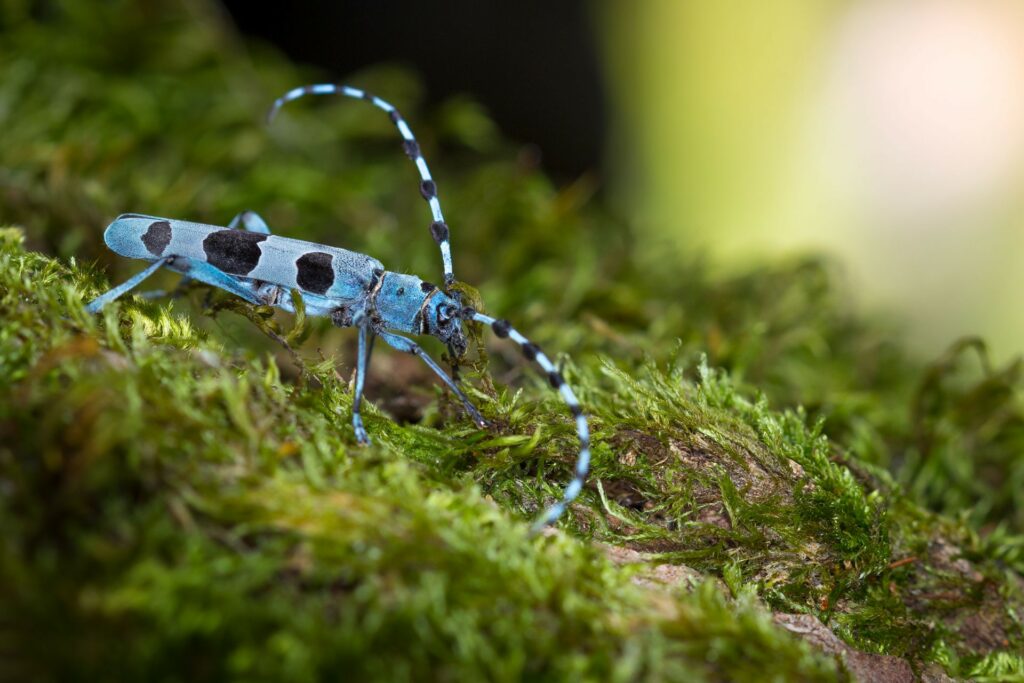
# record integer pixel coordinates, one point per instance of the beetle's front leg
(406, 345)
(366, 337)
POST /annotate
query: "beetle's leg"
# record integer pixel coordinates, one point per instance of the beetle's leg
(212, 275)
(366, 337)
(409, 346)
(191, 268)
(131, 283)
(251, 221)
(179, 290)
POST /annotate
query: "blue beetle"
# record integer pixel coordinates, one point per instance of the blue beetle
(352, 289)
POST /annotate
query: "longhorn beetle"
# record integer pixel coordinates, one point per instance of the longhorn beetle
(353, 290)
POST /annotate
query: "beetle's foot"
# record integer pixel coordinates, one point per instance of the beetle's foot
(361, 436)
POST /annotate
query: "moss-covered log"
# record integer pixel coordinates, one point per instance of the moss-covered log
(170, 506)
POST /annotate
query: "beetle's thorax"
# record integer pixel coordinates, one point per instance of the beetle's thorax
(403, 302)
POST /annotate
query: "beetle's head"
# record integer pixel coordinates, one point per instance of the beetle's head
(443, 319)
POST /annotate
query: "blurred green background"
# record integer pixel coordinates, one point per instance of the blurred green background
(890, 135)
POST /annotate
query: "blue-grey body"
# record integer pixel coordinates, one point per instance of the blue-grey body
(341, 274)
(343, 284)
(352, 289)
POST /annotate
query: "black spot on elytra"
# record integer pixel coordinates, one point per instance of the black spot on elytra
(427, 287)
(400, 291)
(234, 251)
(315, 273)
(157, 237)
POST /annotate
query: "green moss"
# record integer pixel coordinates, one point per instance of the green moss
(167, 493)
(170, 510)
(179, 497)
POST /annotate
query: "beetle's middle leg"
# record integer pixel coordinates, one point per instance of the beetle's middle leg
(251, 221)
(409, 346)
